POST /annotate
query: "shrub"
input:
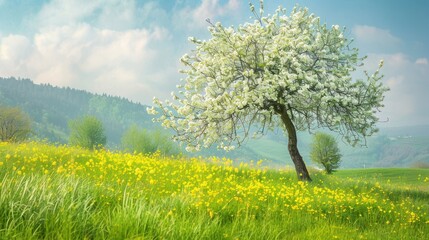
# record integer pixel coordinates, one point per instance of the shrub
(87, 132)
(144, 141)
(15, 125)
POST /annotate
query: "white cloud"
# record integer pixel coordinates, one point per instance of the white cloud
(151, 13)
(407, 78)
(194, 18)
(64, 12)
(212, 8)
(112, 14)
(117, 14)
(406, 102)
(422, 61)
(128, 63)
(13, 47)
(374, 35)
(375, 40)
(96, 45)
(14, 50)
(101, 45)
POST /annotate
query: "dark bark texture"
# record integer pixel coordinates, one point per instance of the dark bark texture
(301, 169)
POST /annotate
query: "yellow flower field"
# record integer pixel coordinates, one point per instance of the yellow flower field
(222, 192)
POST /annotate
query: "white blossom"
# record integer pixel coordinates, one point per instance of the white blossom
(151, 110)
(244, 76)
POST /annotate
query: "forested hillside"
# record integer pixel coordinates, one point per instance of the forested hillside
(51, 108)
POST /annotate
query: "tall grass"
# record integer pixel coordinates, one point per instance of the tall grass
(60, 192)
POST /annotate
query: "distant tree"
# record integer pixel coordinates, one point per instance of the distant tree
(140, 140)
(15, 125)
(281, 70)
(325, 152)
(87, 132)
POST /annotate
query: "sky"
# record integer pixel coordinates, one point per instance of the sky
(132, 48)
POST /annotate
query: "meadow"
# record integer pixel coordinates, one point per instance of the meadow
(61, 192)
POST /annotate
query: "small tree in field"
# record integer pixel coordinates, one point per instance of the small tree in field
(15, 125)
(325, 152)
(87, 132)
(286, 71)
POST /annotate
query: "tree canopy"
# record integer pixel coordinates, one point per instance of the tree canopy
(87, 132)
(140, 140)
(288, 71)
(325, 152)
(15, 125)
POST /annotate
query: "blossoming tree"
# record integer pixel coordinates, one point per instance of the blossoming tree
(284, 70)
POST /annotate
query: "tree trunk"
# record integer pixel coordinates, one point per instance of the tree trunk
(301, 169)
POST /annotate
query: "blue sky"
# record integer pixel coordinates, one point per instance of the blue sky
(131, 48)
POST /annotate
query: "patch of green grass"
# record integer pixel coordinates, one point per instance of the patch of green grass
(403, 178)
(62, 192)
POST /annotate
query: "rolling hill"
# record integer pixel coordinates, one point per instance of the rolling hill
(50, 109)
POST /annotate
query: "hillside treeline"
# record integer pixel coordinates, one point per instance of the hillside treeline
(51, 108)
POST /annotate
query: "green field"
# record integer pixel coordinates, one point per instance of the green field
(396, 178)
(61, 192)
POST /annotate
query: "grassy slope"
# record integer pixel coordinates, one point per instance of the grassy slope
(68, 193)
(402, 178)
